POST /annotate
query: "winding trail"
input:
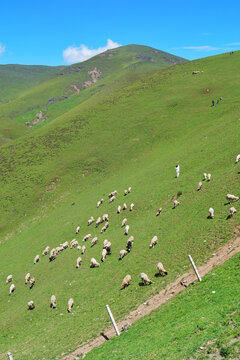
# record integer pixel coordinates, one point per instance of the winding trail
(179, 284)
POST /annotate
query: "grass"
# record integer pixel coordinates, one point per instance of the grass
(201, 323)
(52, 179)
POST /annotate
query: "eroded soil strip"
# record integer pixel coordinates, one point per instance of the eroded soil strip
(171, 290)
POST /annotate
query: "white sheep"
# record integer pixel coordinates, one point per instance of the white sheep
(104, 253)
(127, 230)
(102, 200)
(99, 221)
(159, 210)
(9, 279)
(209, 177)
(122, 254)
(91, 220)
(36, 259)
(83, 249)
(104, 228)
(161, 269)
(78, 247)
(154, 241)
(32, 282)
(87, 237)
(107, 246)
(27, 278)
(125, 192)
(231, 197)
(124, 222)
(112, 199)
(119, 209)
(52, 255)
(79, 261)
(232, 211)
(94, 241)
(129, 243)
(113, 193)
(46, 250)
(126, 281)
(73, 243)
(70, 305)
(11, 289)
(65, 244)
(237, 158)
(199, 186)
(205, 176)
(175, 203)
(145, 279)
(129, 189)
(124, 206)
(77, 229)
(31, 305)
(211, 213)
(53, 304)
(105, 217)
(131, 206)
(94, 263)
(98, 204)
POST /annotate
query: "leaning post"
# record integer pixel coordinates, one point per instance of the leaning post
(112, 320)
(194, 268)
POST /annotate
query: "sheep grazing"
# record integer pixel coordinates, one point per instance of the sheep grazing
(79, 261)
(78, 247)
(105, 217)
(87, 237)
(73, 243)
(131, 207)
(104, 253)
(211, 213)
(32, 282)
(113, 193)
(112, 199)
(205, 176)
(59, 249)
(27, 278)
(175, 203)
(36, 259)
(9, 279)
(53, 254)
(127, 230)
(53, 304)
(102, 200)
(31, 305)
(129, 189)
(209, 177)
(154, 241)
(94, 263)
(70, 305)
(199, 186)
(232, 211)
(99, 221)
(124, 222)
(129, 243)
(46, 250)
(83, 249)
(11, 289)
(77, 229)
(98, 204)
(124, 206)
(126, 281)
(122, 254)
(125, 192)
(159, 210)
(231, 197)
(145, 279)
(104, 228)
(65, 245)
(94, 241)
(161, 269)
(237, 158)
(91, 220)
(107, 245)
(119, 209)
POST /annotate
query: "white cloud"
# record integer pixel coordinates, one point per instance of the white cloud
(233, 44)
(2, 48)
(200, 48)
(78, 54)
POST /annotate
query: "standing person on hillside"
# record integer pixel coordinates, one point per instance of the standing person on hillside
(212, 103)
(177, 168)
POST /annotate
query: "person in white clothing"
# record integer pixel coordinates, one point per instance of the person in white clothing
(177, 168)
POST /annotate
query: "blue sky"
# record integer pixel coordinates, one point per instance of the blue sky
(54, 32)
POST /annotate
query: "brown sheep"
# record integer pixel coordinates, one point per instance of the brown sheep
(126, 281)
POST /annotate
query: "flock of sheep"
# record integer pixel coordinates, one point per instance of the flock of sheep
(107, 244)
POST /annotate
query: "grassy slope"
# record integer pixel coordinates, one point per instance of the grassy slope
(14, 79)
(135, 137)
(201, 323)
(10, 130)
(131, 59)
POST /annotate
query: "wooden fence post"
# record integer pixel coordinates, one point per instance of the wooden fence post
(112, 320)
(194, 268)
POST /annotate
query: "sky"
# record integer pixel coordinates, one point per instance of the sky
(60, 32)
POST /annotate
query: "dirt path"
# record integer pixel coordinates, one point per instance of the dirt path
(171, 290)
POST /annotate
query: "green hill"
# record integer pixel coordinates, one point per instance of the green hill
(130, 135)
